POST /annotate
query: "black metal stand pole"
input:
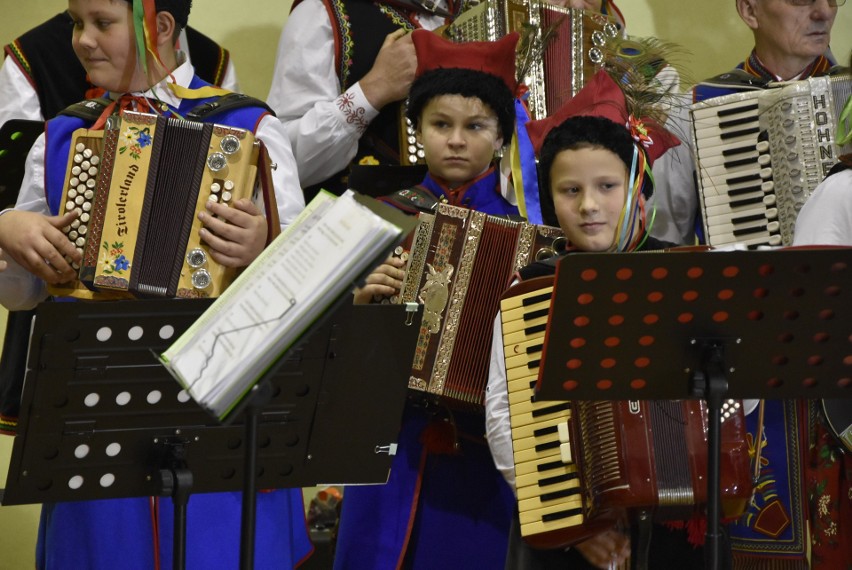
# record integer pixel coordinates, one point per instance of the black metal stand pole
(175, 481)
(261, 394)
(712, 384)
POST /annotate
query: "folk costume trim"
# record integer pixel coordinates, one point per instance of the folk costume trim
(819, 66)
(344, 46)
(16, 52)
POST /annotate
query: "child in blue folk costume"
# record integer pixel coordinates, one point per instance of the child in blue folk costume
(445, 505)
(147, 75)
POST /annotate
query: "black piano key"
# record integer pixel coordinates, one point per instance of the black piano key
(535, 299)
(551, 409)
(746, 202)
(740, 133)
(561, 515)
(747, 231)
(533, 348)
(535, 314)
(547, 445)
(740, 162)
(745, 190)
(736, 122)
(560, 494)
(530, 331)
(549, 465)
(738, 150)
(564, 478)
(736, 110)
(545, 431)
(746, 178)
(747, 219)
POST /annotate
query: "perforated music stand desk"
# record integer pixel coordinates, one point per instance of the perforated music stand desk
(100, 416)
(708, 325)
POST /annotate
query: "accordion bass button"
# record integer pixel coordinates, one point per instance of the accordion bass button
(217, 161)
(229, 144)
(201, 279)
(229, 185)
(196, 258)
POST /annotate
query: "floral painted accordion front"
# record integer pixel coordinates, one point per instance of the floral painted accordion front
(460, 263)
(138, 186)
(568, 61)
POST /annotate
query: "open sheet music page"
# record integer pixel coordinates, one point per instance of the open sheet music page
(276, 299)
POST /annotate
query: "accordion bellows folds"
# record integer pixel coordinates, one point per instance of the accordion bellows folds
(760, 154)
(460, 263)
(138, 186)
(566, 62)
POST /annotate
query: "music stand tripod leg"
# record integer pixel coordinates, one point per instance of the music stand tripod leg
(711, 384)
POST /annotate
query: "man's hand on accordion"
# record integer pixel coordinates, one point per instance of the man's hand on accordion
(385, 280)
(36, 242)
(236, 235)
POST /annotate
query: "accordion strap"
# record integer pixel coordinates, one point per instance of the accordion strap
(90, 109)
(224, 103)
(270, 204)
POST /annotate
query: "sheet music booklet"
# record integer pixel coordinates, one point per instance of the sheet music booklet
(267, 309)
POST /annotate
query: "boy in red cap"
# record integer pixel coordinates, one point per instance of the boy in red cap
(594, 168)
(445, 505)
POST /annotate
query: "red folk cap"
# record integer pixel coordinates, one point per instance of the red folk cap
(496, 58)
(602, 97)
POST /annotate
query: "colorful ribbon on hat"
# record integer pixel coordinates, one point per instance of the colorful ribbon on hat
(145, 26)
(524, 172)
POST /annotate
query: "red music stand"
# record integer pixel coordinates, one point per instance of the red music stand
(705, 325)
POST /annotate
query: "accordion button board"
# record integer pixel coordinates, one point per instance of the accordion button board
(138, 186)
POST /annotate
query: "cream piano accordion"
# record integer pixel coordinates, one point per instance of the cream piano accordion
(582, 466)
(460, 263)
(568, 61)
(759, 154)
(138, 185)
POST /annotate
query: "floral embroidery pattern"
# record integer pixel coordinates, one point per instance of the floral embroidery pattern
(135, 139)
(117, 262)
(355, 115)
(828, 484)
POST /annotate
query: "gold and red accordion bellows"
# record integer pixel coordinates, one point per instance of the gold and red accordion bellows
(460, 263)
(581, 466)
(138, 186)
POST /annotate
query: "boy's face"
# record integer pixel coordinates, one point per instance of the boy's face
(103, 40)
(459, 137)
(589, 187)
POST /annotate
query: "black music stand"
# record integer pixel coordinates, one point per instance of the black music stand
(707, 325)
(94, 384)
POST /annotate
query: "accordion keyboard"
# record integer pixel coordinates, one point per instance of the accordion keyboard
(550, 501)
(735, 173)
